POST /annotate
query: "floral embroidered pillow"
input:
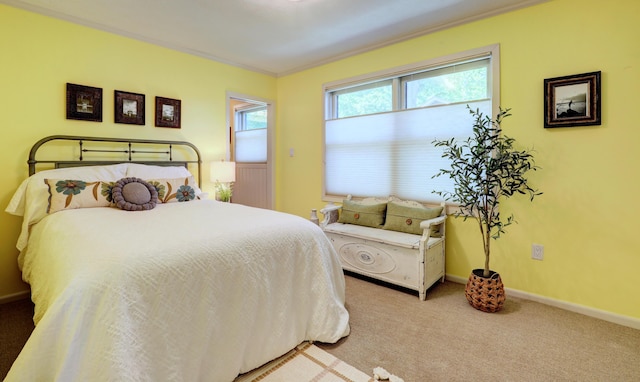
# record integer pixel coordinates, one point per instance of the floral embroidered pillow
(175, 190)
(73, 193)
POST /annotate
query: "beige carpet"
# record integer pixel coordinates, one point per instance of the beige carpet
(445, 339)
(306, 363)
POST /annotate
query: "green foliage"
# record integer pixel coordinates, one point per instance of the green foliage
(369, 101)
(223, 191)
(441, 88)
(256, 119)
(454, 87)
(484, 168)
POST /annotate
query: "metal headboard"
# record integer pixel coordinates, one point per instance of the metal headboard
(128, 147)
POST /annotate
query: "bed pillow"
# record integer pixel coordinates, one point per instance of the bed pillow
(150, 172)
(175, 190)
(67, 194)
(134, 194)
(406, 216)
(362, 213)
(145, 171)
(31, 199)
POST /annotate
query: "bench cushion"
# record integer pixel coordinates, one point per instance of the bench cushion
(400, 239)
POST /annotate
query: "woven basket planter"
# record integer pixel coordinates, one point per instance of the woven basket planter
(485, 293)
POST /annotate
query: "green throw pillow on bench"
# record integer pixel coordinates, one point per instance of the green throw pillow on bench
(366, 214)
(404, 218)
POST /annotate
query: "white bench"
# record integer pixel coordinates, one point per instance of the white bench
(412, 261)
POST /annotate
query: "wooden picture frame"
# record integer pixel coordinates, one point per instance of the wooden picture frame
(572, 100)
(168, 112)
(129, 108)
(84, 103)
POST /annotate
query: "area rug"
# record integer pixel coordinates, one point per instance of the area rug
(306, 363)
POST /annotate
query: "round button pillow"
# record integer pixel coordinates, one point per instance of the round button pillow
(134, 194)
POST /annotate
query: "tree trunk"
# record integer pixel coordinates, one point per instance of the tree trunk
(487, 251)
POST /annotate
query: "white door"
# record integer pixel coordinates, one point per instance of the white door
(251, 123)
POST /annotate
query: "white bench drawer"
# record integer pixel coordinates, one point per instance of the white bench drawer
(391, 263)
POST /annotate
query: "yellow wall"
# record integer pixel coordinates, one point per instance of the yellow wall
(587, 217)
(39, 55)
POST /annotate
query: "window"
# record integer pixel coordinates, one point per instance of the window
(452, 84)
(365, 99)
(251, 134)
(252, 118)
(379, 129)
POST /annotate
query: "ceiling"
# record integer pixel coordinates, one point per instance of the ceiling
(275, 37)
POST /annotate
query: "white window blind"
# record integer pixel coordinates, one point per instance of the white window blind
(392, 153)
(251, 134)
(251, 146)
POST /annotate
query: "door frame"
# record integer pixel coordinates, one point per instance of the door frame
(271, 118)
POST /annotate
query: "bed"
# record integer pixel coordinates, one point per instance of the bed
(188, 290)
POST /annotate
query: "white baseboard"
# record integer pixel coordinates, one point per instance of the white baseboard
(15, 296)
(585, 310)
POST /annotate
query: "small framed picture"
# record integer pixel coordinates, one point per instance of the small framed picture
(129, 108)
(572, 100)
(84, 103)
(167, 112)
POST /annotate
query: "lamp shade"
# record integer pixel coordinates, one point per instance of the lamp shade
(223, 172)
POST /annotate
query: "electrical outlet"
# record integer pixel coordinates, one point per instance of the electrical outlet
(537, 251)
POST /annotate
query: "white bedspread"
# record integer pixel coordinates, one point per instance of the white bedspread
(198, 291)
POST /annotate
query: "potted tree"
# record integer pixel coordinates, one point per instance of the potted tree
(485, 168)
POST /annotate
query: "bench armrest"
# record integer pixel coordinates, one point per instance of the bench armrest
(330, 214)
(434, 227)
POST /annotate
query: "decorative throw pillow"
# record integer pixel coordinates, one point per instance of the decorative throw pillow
(175, 190)
(72, 193)
(407, 216)
(366, 214)
(134, 194)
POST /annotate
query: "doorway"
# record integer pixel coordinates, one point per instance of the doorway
(250, 120)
